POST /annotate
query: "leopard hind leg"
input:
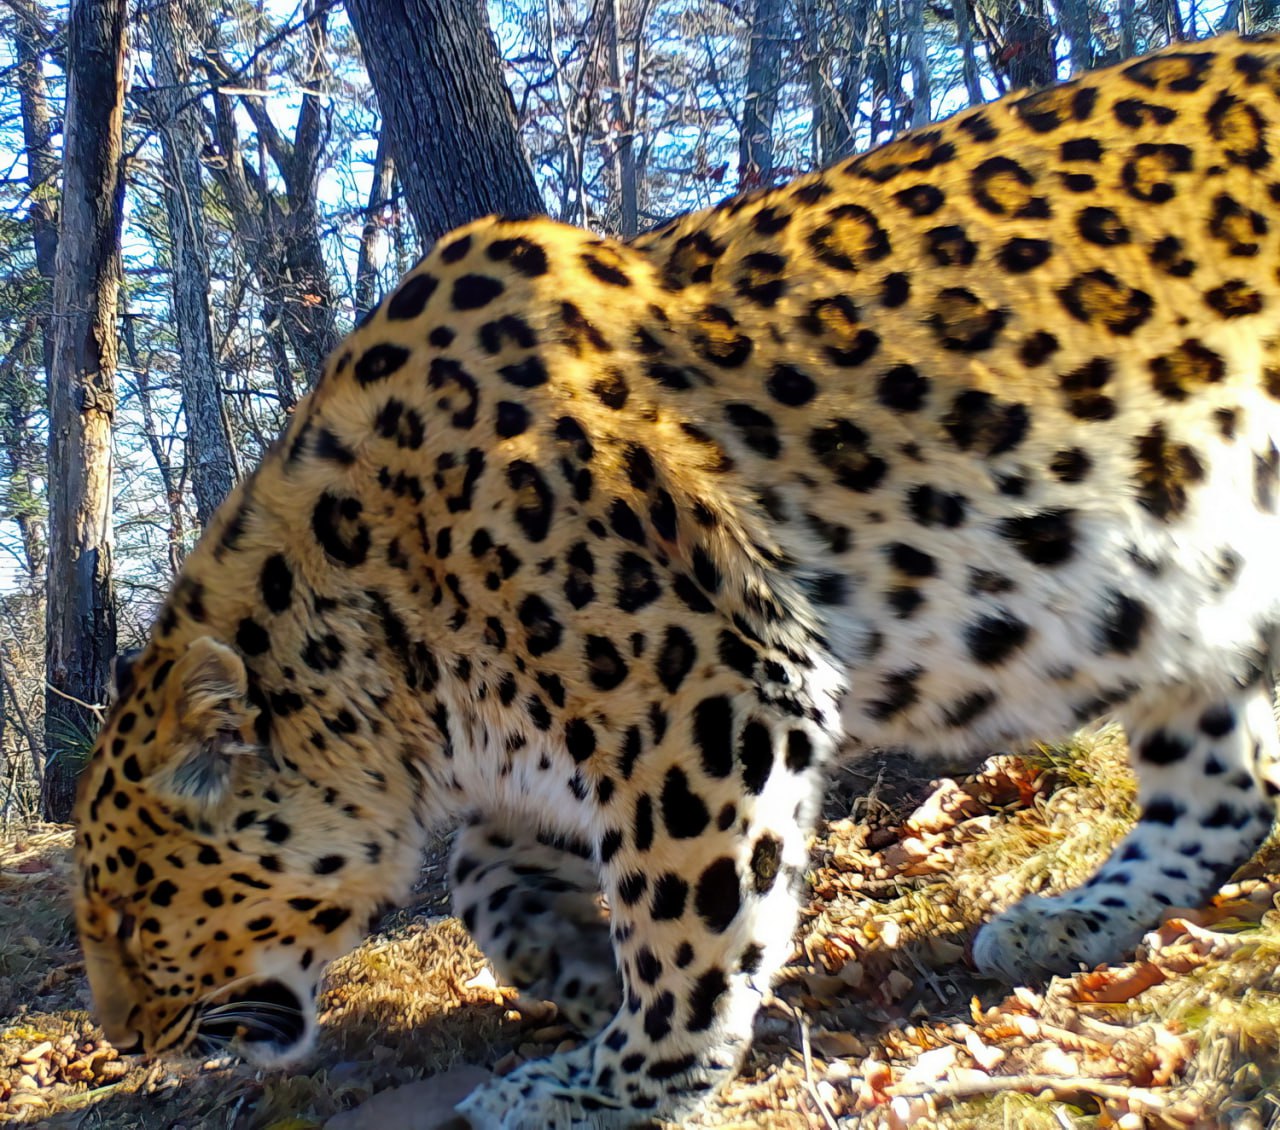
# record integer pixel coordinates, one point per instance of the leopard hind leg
(1207, 771)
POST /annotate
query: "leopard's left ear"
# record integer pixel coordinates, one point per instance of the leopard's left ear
(210, 725)
(122, 675)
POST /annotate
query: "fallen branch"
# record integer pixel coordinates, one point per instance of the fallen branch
(1060, 1085)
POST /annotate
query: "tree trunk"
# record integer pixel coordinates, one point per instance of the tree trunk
(1020, 43)
(81, 626)
(918, 61)
(1126, 29)
(817, 77)
(181, 139)
(1167, 11)
(755, 144)
(281, 373)
(865, 57)
(453, 129)
(42, 161)
(24, 457)
(20, 395)
(968, 57)
(620, 111)
(1258, 14)
(1074, 17)
(306, 298)
(384, 176)
(1234, 17)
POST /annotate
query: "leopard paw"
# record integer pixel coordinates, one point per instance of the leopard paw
(1041, 937)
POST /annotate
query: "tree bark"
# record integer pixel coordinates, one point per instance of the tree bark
(817, 77)
(24, 456)
(181, 139)
(1124, 14)
(918, 61)
(42, 161)
(865, 58)
(1258, 13)
(620, 111)
(453, 128)
(1074, 17)
(81, 626)
(20, 395)
(755, 144)
(384, 176)
(968, 57)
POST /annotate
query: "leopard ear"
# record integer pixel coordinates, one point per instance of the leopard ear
(209, 722)
(122, 675)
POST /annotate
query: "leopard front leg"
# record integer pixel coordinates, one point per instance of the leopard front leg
(702, 860)
(1206, 769)
(532, 904)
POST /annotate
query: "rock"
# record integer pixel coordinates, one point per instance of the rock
(425, 1105)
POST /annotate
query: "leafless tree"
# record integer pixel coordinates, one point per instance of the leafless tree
(760, 103)
(381, 203)
(81, 623)
(177, 119)
(280, 227)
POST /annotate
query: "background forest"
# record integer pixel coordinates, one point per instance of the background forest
(267, 187)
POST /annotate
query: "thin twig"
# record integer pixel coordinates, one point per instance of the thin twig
(223, 81)
(810, 1083)
(97, 711)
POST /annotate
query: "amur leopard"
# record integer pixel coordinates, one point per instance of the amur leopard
(603, 549)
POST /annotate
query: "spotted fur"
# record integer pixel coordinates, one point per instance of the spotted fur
(605, 548)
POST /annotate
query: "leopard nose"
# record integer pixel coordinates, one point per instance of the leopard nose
(131, 1044)
(125, 1038)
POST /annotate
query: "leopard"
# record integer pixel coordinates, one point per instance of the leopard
(604, 552)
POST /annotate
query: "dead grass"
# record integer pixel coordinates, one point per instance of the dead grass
(878, 1022)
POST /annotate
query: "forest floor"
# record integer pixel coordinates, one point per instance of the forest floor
(879, 1021)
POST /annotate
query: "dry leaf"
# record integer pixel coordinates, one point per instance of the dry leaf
(931, 1066)
(1115, 986)
(984, 1056)
(836, 1044)
(942, 809)
(877, 1077)
(1054, 1061)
